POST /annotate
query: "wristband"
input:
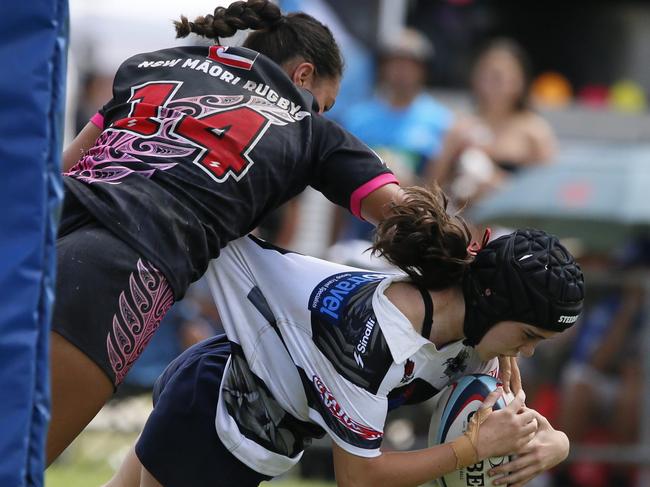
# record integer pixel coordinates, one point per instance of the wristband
(465, 452)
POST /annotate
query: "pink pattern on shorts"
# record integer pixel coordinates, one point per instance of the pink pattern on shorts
(141, 308)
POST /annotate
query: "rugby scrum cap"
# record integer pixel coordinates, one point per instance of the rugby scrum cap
(526, 276)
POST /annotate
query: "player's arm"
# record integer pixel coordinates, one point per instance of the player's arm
(131, 473)
(393, 469)
(350, 174)
(376, 206)
(81, 143)
(496, 433)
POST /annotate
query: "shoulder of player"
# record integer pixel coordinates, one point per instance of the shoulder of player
(324, 126)
(406, 297)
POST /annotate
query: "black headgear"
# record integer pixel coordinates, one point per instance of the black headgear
(526, 276)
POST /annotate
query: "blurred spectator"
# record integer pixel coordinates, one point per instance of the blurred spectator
(605, 358)
(504, 135)
(402, 123)
(355, 35)
(603, 383)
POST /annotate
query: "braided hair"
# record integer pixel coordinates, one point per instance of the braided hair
(280, 37)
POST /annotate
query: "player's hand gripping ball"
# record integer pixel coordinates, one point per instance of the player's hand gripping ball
(457, 403)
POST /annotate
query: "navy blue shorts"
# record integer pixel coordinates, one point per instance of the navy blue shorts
(179, 445)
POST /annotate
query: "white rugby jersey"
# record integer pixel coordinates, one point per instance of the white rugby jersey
(317, 348)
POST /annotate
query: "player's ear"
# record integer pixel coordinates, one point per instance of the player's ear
(303, 74)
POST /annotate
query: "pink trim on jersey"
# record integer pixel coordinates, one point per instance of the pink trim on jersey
(98, 120)
(365, 189)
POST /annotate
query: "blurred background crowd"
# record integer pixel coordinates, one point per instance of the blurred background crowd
(526, 114)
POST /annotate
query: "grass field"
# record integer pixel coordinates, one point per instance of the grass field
(92, 459)
(79, 475)
(88, 475)
(92, 476)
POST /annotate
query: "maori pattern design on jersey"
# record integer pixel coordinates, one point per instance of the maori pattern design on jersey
(119, 152)
(141, 308)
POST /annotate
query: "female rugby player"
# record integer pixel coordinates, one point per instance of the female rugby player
(314, 348)
(196, 146)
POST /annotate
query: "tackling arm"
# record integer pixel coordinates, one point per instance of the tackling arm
(81, 143)
(376, 205)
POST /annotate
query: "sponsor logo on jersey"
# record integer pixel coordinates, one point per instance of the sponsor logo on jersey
(568, 319)
(330, 296)
(362, 344)
(333, 406)
(243, 60)
(409, 368)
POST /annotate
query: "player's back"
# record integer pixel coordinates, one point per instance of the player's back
(289, 281)
(198, 144)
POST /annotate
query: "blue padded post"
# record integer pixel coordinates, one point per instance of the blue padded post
(33, 43)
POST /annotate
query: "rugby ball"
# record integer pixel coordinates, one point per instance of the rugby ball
(455, 406)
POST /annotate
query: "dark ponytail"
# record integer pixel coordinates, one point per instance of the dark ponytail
(279, 37)
(423, 240)
(226, 21)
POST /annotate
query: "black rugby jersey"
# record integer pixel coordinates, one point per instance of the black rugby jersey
(200, 143)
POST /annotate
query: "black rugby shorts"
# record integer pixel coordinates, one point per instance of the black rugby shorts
(109, 300)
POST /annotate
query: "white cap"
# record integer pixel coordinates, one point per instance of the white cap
(409, 43)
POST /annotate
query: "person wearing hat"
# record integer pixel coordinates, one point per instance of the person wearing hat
(314, 348)
(402, 123)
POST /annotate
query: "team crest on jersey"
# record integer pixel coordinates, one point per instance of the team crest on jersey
(456, 365)
(409, 369)
(243, 60)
